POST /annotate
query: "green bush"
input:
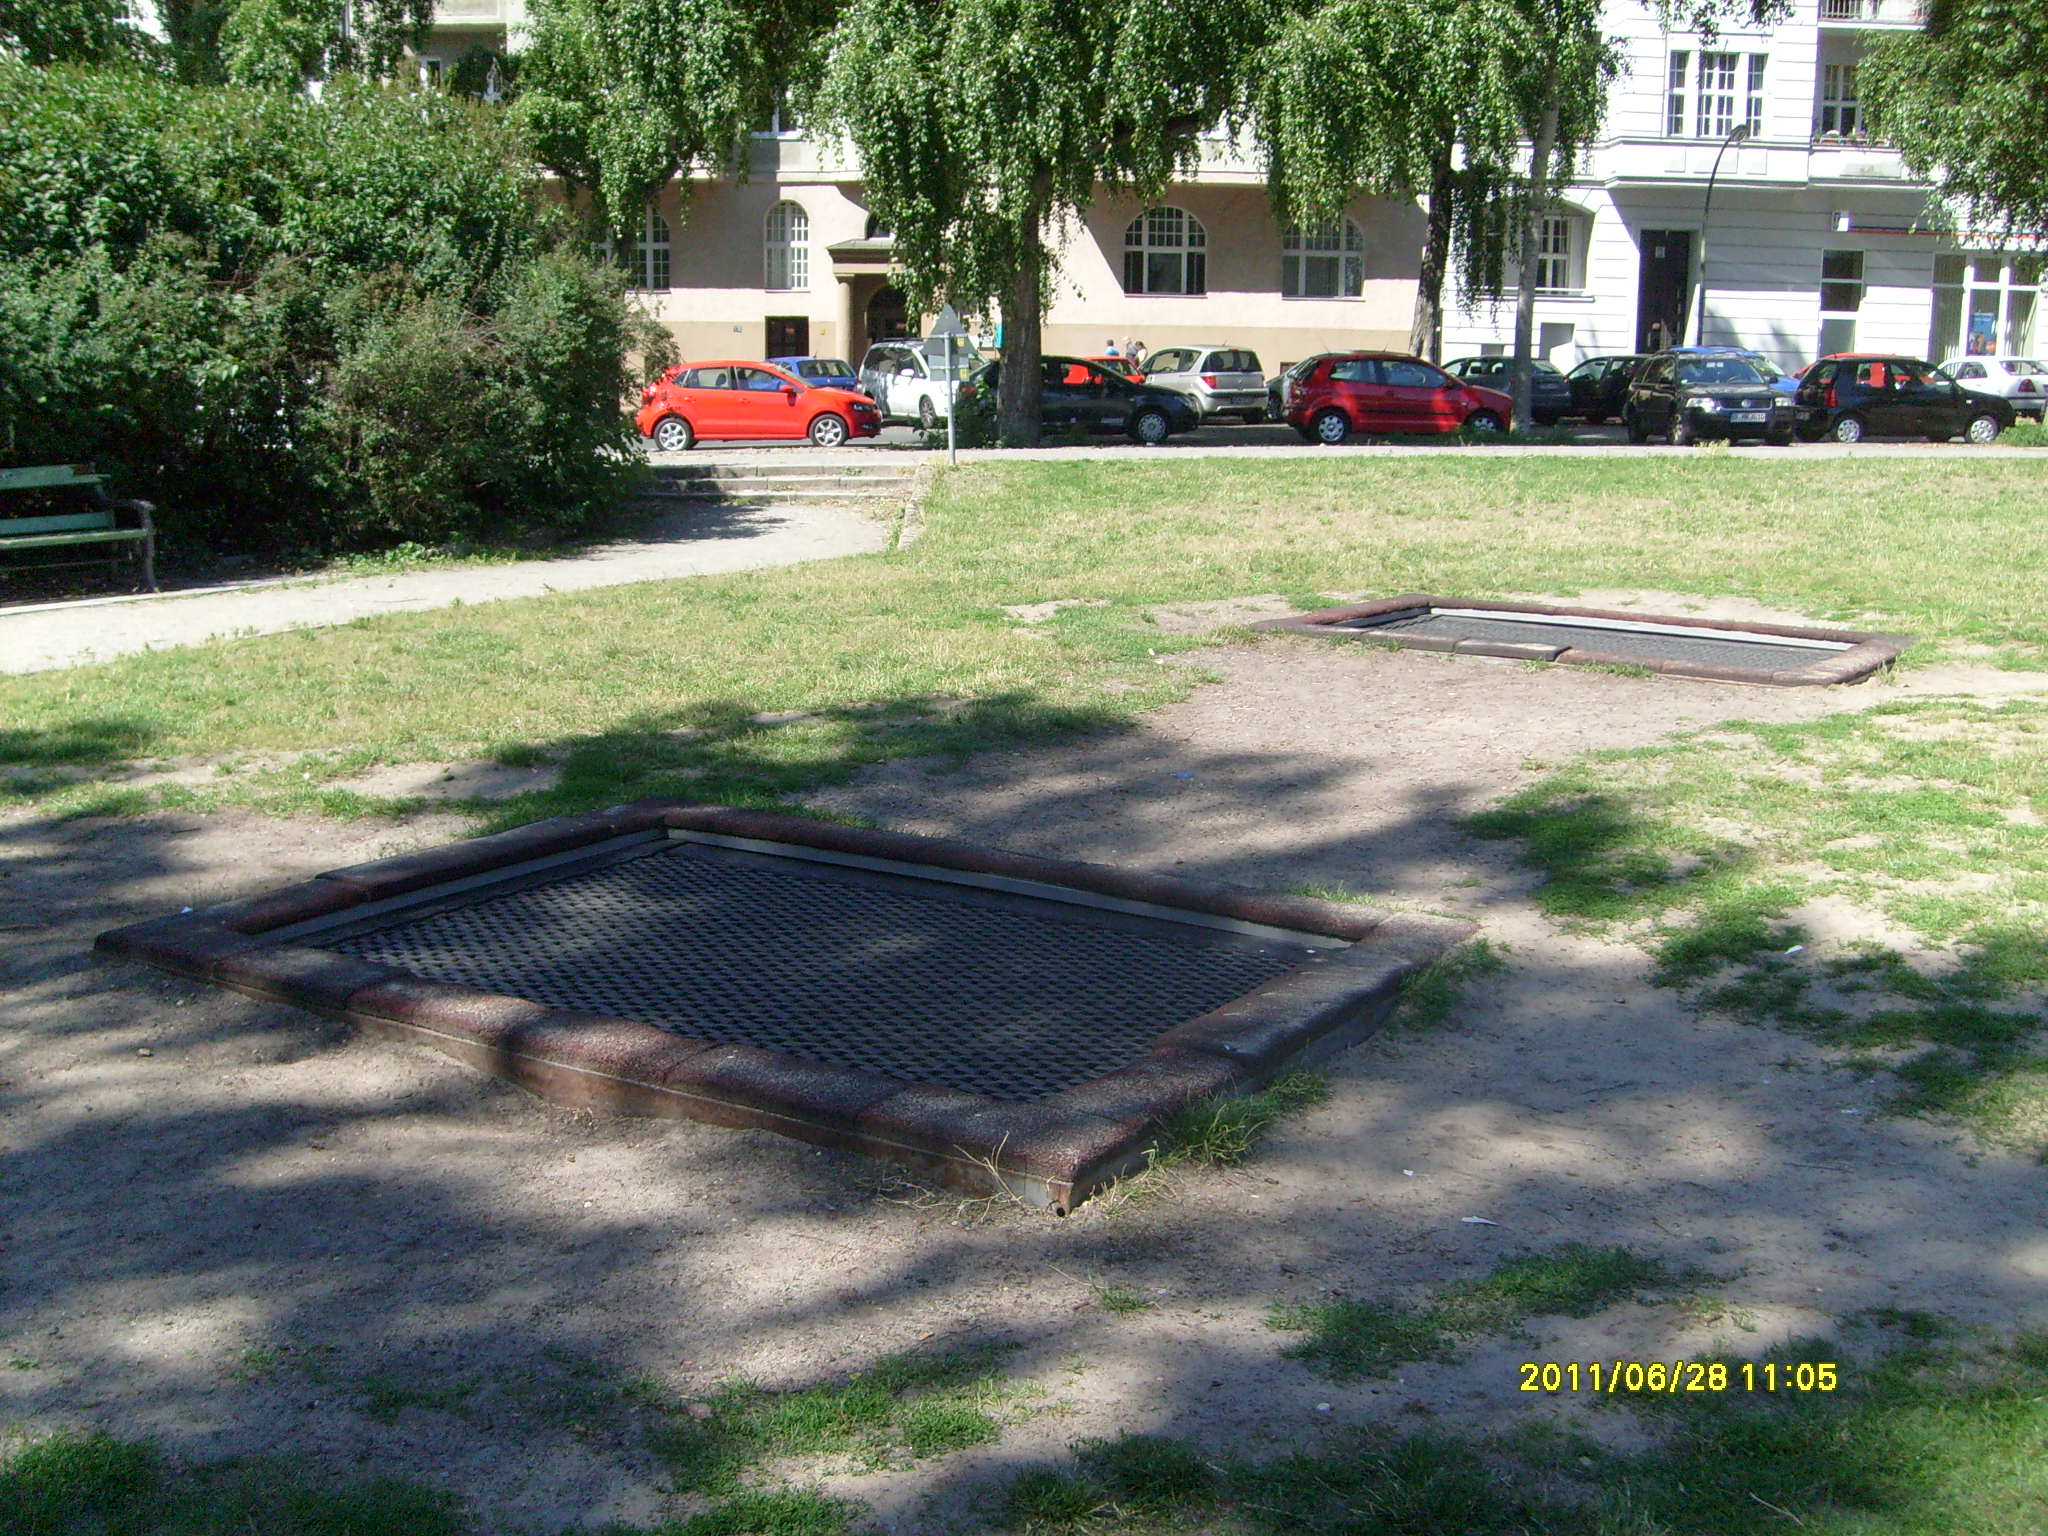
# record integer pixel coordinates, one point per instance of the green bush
(303, 325)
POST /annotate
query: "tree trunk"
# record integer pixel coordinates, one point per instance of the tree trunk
(1426, 333)
(1018, 402)
(1532, 232)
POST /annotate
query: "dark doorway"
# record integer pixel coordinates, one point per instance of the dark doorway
(789, 336)
(888, 315)
(1663, 288)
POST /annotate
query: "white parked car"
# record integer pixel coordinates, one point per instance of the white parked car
(1222, 381)
(907, 379)
(2022, 380)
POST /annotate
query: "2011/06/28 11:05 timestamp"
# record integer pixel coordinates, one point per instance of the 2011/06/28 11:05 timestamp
(1678, 1376)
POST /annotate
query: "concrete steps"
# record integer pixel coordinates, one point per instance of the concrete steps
(758, 483)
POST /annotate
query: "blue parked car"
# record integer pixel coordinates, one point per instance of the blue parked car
(1779, 380)
(831, 372)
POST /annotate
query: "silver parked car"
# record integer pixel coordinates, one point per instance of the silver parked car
(907, 379)
(2022, 380)
(1222, 381)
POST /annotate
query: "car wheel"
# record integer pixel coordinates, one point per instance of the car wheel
(1848, 430)
(927, 414)
(1484, 424)
(1682, 433)
(1633, 424)
(828, 430)
(672, 434)
(1331, 427)
(1984, 429)
(1253, 418)
(1151, 426)
(1780, 437)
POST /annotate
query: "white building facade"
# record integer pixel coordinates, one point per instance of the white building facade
(1816, 242)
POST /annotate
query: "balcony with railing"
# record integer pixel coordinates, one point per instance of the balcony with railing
(1873, 13)
(480, 13)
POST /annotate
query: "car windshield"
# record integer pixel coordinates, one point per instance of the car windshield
(1718, 370)
(2024, 366)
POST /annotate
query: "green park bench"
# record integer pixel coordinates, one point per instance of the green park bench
(120, 531)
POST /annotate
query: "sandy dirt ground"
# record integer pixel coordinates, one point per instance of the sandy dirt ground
(221, 1222)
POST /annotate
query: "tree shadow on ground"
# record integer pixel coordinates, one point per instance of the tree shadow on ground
(267, 1234)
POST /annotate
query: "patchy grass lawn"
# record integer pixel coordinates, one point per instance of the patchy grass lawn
(1347, 1338)
(1921, 1441)
(1924, 1434)
(1933, 814)
(1711, 850)
(663, 688)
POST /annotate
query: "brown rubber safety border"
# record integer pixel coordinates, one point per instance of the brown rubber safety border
(1052, 1152)
(1867, 653)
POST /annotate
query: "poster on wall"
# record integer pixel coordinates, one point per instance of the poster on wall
(1983, 334)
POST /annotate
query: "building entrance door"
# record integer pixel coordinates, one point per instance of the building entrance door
(888, 315)
(1663, 288)
(789, 336)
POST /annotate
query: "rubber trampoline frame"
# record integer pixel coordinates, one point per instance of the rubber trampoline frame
(1054, 1151)
(1865, 653)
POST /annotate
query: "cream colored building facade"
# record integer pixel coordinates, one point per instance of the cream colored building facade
(788, 261)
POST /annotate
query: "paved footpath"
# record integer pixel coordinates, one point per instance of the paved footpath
(704, 542)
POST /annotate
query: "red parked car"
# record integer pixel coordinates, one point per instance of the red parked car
(750, 400)
(1386, 392)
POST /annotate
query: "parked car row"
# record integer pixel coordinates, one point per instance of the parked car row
(1684, 394)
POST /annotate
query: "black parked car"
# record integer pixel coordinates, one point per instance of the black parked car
(1550, 397)
(1689, 396)
(1074, 392)
(1854, 395)
(1599, 385)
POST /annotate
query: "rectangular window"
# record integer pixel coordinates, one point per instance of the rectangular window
(1984, 306)
(1709, 93)
(1554, 256)
(1678, 97)
(1716, 114)
(1841, 282)
(1839, 112)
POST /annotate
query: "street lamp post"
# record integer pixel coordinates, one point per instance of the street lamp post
(1736, 135)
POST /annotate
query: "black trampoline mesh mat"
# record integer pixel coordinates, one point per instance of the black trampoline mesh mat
(1648, 643)
(1012, 997)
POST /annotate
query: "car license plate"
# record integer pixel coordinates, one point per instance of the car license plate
(1749, 415)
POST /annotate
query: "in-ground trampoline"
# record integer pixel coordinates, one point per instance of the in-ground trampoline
(992, 1020)
(1721, 651)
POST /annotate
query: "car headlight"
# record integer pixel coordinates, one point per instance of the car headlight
(1709, 405)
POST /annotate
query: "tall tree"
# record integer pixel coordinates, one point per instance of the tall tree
(286, 44)
(986, 127)
(70, 31)
(1408, 99)
(617, 96)
(1965, 100)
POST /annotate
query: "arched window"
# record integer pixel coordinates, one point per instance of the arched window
(650, 253)
(1166, 251)
(1323, 261)
(789, 246)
